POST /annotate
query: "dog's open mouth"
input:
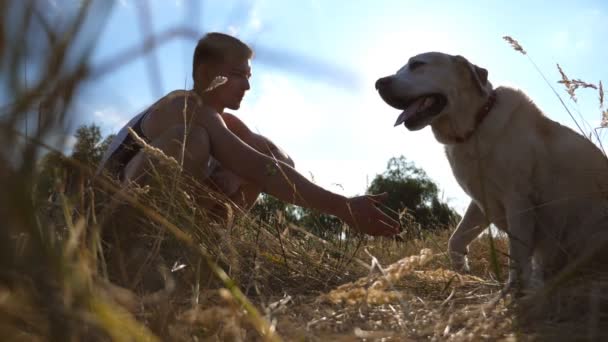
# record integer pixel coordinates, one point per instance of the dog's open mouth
(420, 110)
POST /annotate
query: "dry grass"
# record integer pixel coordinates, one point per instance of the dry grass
(178, 275)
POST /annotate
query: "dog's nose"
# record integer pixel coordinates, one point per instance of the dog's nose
(383, 82)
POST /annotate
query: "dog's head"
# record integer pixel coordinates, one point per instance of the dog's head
(432, 85)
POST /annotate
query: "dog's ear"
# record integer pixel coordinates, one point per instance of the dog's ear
(478, 75)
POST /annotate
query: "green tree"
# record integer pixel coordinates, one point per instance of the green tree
(52, 169)
(272, 210)
(89, 147)
(412, 194)
(58, 173)
(325, 226)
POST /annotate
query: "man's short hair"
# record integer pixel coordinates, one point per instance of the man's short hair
(215, 48)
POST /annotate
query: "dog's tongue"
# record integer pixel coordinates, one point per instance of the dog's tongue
(410, 111)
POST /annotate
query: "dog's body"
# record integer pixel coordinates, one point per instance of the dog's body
(541, 182)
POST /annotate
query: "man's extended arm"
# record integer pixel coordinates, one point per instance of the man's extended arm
(284, 182)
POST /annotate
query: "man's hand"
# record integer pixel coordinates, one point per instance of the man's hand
(363, 215)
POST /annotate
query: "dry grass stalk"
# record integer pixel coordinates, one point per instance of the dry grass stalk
(601, 95)
(515, 44)
(155, 152)
(573, 84)
(518, 47)
(567, 83)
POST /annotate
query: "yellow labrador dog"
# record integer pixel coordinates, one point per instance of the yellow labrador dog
(541, 182)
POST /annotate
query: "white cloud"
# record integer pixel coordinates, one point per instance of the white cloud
(252, 25)
(233, 30)
(255, 22)
(62, 142)
(281, 108)
(110, 118)
(70, 141)
(567, 41)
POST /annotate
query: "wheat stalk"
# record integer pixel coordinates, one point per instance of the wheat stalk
(154, 151)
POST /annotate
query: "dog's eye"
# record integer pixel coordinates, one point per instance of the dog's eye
(415, 64)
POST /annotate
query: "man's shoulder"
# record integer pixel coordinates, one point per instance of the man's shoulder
(181, 93)
(174, 107)
(180, 97)
(176, 101)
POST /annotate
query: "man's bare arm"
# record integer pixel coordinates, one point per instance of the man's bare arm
(282, 181)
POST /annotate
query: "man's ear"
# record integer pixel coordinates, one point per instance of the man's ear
(478, 75)
(205, 74)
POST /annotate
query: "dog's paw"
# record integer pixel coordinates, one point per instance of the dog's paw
(521, 284)
(460, 262)
(519, 287)
(517, 291)
(536, 280)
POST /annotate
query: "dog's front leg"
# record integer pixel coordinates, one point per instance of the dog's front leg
(471, 225)
(521, 223)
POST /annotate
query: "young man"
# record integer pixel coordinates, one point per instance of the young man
(221, 151)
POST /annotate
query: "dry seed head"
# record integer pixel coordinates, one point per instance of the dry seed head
(217, 81)
(601, 91)
(570, 86)
(153, 151)
(578, 83)
(515, 44)
(139, 190)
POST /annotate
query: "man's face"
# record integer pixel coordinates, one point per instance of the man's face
(231, 93)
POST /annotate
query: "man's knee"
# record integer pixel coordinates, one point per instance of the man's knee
(283, 156)
(278, 154)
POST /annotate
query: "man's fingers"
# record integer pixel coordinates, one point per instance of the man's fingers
(372, 220)
(387, 224)
(389, 227)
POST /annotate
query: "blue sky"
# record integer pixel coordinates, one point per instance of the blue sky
(313, 75)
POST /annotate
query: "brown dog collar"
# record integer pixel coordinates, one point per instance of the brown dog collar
(482, 113)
